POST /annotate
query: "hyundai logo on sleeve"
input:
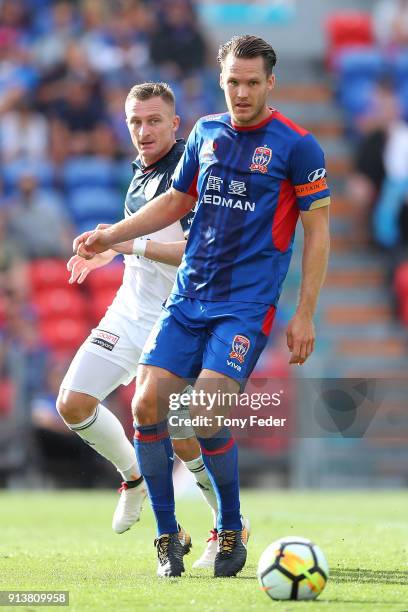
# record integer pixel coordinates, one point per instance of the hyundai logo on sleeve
(316, 175)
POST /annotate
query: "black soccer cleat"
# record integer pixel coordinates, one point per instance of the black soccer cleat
(232, 553)
(171, 548)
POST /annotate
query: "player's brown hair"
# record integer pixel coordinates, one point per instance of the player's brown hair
(145, 91)
(247, 47)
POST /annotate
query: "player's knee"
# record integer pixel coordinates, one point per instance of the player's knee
(75, 407)
(144, 408)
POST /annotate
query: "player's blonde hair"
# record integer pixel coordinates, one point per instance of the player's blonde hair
(145, 91)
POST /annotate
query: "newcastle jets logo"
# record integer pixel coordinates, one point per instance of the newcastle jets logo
(240, 347)
(260, 159)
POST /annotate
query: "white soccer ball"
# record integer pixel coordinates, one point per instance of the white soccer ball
(293, 568)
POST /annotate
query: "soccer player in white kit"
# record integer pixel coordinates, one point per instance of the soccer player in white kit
(109, 356)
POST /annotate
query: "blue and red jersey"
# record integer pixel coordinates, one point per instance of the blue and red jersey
(250, 184)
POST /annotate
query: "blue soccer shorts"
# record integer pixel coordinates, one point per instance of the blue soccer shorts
(191, 335)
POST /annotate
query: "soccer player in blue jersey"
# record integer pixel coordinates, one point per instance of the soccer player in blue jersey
(253, 172)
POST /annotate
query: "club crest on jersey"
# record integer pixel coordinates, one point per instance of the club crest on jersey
(260, 159)
(240, 347)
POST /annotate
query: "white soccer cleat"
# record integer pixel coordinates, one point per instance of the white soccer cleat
(208, 557)
(129, 506)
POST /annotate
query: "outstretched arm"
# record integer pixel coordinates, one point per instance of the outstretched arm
(301, 332)
(157, 214)
(164, 252)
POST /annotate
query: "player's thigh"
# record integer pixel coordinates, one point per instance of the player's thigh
(108, 357)
(93, 375)
(119, 340)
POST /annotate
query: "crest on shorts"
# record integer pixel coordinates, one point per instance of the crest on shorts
(240, 347)
(260, 159)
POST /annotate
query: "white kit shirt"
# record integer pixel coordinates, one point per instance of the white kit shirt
(147, 284)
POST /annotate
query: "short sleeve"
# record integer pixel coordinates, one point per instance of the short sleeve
(307, 172)
(186, 173)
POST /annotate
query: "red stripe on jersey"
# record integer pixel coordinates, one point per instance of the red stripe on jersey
(152, 437)
(286, 216)
(297, 128)
(268, 320)
(248, 128)
(192, 190)
(219, 451)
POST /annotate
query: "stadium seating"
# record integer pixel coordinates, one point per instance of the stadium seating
(360, 63)
(402, 93)
(48, 273)
(7, 396)
(85, 170)
(347, 29)
(401, 291)
(100, 302)
(89, 206)
(108, 277)
(60, 303)
(123, 172)
(102, 286)
(3, 311)
(356, 98)
(358, 72)
(64, 335)
(43, 171)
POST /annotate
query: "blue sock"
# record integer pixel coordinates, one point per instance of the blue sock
(155, 456)
(220, 456)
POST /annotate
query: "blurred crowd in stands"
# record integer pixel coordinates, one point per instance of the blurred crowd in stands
(368, 55)
(65, 70)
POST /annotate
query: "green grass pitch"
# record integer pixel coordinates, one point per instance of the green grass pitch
(63, 541)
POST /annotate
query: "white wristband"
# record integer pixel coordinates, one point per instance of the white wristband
(139, 246)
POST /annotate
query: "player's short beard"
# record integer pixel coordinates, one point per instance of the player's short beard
(250, 119)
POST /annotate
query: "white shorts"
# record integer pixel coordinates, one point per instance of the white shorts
(108, 358)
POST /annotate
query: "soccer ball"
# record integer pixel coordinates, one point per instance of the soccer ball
(293, 568)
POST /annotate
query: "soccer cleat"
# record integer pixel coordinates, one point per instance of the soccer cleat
(207, 558)
(129, 506)
(171, 548)
(231, 553)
